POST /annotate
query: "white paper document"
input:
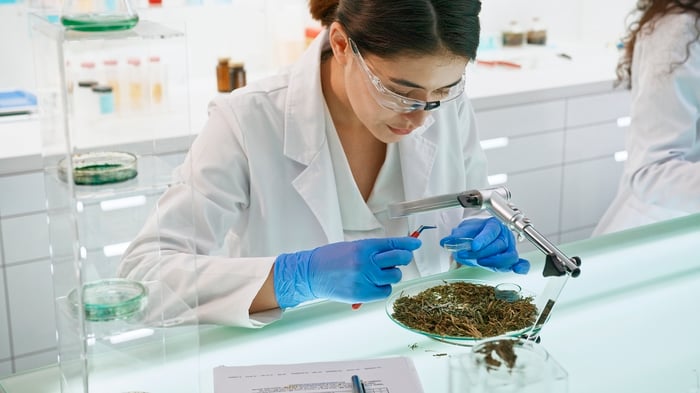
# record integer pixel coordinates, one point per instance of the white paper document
(385, 375)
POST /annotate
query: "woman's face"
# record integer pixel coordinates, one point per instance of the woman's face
(425, 78)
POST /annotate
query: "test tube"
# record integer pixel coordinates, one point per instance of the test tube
(111, 79)
(156, 81)
(135, 84)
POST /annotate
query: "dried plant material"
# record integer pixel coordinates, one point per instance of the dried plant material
(463, 309)
(504, 351)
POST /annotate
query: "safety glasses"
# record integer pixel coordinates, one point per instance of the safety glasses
(398, 103)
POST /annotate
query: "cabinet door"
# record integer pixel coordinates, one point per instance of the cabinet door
(537, 194)
(521, 120)
(592, 142)
(589, 188)
(597, 108)
(521, 154)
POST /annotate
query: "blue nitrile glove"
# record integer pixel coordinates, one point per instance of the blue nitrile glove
(351, 272)
(493, 246)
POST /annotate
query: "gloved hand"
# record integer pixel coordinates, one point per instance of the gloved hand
(351, 272)
(493, 246)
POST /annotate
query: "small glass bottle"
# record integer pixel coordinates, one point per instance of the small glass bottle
(111, 79)
(537, 33)
(223, 80)
(135, 84)
(237, 74)
(513, 35)
(156, 81)
(105, 98)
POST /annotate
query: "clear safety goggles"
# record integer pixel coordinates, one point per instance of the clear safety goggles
(398, 103)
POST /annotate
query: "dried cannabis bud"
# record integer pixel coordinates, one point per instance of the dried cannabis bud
(463, 309)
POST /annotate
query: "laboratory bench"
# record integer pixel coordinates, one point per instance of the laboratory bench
(549, 130)
(628, 323)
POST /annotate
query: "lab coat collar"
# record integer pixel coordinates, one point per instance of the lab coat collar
(305, 142)
(304, 125)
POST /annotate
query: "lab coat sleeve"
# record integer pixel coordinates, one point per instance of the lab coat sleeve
(663, 140)
(208, 197)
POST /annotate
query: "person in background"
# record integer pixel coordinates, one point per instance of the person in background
(290, 179)
(661, 64)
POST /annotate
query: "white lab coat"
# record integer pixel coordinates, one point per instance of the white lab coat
(661, 177)
(260, 174)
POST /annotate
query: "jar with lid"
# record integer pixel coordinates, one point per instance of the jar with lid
(105, 98)
(237, 74)
(513, 35)
(223, 80)
(110, 69)
(135, 80)
(537, 32)
(156, 81)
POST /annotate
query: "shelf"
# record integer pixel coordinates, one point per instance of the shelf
(144, 29)
(154, 176)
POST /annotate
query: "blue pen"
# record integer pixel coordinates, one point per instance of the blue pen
(357, 385)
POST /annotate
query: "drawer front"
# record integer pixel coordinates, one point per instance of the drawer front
(526, 153)
(521, 119)
(21, 194)
(597, 108)
(537, 194)
(589, 188)
(25, 238)
(31, 307)
(594, 141)
(4, 327)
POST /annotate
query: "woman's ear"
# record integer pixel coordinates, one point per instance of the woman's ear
(340, 45)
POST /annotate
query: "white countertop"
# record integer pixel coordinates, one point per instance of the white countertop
(544, 75)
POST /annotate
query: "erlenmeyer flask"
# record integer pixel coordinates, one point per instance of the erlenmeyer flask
(98, 15)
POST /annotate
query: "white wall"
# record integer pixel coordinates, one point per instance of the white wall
(266, 34)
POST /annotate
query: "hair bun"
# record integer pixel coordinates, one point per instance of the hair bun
(323, 10)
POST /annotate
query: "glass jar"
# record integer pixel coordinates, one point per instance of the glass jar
(98, 15)
(537, 33)
(507, 365)
(237, 74)
(223, 79)
(513, 35)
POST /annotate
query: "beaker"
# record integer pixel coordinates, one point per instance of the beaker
(98, 15)
(507, 365)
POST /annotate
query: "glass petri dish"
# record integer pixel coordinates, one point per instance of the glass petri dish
(457, 243)
(97, 168)
(508, 291)
(449, 310)
(110, 299)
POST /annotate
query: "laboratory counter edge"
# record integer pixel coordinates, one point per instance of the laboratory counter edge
(628, 323)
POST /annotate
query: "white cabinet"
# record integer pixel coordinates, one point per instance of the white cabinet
(558, 157)
(104, 168)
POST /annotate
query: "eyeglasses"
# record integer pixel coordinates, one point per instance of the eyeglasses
(398, 103)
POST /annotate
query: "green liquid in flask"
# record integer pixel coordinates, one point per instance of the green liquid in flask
(99, 22)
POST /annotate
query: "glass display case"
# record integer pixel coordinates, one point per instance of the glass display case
(113, 110)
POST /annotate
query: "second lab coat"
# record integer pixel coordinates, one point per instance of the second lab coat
(661, 177)
(259, 178)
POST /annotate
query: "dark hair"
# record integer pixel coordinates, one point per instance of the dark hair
(650, 11)
(388, 28)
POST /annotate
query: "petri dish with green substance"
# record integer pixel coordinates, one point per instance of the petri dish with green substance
(98, 168)
(110, 299)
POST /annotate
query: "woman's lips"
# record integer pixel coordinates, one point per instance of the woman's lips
(400, 131)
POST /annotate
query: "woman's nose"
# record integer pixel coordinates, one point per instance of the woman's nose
(417, 118)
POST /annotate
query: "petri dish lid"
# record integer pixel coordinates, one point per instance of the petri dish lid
(457, 243)
(110, 299)
(97, 168)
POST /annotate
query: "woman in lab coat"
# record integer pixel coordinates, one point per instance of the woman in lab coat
(372, 113)
(661, 178)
